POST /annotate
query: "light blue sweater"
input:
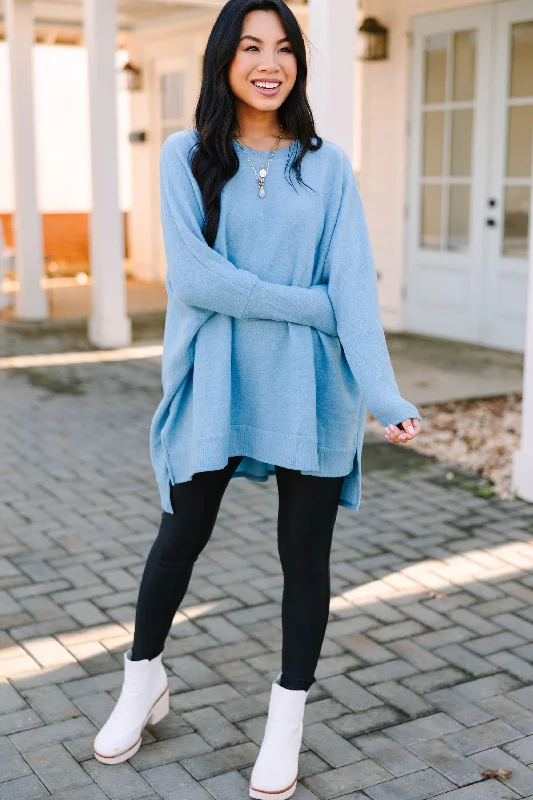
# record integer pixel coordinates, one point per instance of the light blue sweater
(273, 345)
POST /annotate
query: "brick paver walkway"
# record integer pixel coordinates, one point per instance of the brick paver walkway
(425, 678)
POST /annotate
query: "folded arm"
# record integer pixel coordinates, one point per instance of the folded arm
(199, 276)
(354, 293)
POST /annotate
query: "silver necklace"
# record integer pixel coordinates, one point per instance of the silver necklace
(263, 172)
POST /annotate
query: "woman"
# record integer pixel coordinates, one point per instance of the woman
(273, 350)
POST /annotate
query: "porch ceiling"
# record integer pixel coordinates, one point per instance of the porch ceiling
(132, 13)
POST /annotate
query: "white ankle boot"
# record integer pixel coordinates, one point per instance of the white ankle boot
(144, 699)
(275, 772)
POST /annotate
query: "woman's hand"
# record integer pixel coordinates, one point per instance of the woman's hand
(407, 430)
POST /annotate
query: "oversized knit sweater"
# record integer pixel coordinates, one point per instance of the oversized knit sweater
(273, 345)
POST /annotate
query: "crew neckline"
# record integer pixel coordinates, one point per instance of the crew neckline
(263, 152)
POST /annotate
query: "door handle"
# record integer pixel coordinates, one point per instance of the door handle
(491, 223)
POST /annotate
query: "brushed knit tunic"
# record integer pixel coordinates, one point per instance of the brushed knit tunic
(273, 345)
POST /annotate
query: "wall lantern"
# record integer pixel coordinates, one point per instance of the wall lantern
(373, 40)
(130, 77)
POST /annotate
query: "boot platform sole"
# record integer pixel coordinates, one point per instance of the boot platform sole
(159, 710)
(282, 794)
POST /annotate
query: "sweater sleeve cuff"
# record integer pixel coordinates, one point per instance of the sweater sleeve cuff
(393, 412)
(290, 304)
(400, 410)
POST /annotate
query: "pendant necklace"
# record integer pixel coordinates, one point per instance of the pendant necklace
(263, 172)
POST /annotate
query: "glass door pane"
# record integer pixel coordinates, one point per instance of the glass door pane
(522, 60)
(172, 93)
(516, 223)
(436, 68)
(464, 73)
(459, 218)
(461, 144)
(520, 141)
(433, 143)
(431, 217)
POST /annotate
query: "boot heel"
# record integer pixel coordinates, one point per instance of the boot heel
(160, 709)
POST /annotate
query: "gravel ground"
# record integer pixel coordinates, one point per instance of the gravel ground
(480, 435)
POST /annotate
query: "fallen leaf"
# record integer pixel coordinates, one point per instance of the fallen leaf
(437, 595)
(501, 773)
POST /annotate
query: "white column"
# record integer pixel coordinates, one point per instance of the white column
(332, 31)
(31, 302)
(523, 458)
(109, 325)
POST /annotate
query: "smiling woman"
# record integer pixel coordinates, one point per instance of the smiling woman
(253, 90)
(268, 65)
(273, 350)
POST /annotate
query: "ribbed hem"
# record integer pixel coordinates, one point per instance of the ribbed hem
(261, 450)
(295, 452)
(269, 447)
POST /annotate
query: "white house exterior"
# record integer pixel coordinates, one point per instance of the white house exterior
(441, 132)
(445, 269)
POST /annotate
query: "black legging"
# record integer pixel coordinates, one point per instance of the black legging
(308, 507)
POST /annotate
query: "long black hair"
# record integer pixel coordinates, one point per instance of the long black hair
(215, 161)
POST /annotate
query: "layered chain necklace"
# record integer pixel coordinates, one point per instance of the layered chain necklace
(263, 172)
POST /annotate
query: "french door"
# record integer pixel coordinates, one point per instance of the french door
(471, 174)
